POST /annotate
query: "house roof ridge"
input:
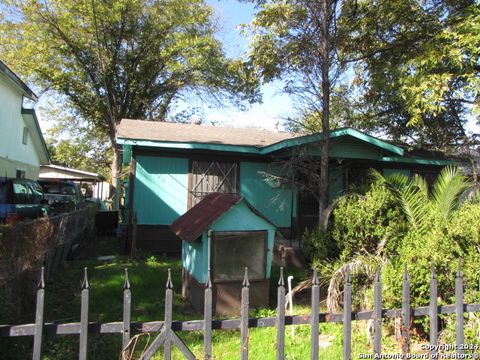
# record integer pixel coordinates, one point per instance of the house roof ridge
(169, 132)
(208, 126)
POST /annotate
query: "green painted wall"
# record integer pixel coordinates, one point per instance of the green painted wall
(388, 172)
(335, 183)
(349, 148)
(195, 255)
(161, 189)
(354, 149)
(127, 154)
(274, 203)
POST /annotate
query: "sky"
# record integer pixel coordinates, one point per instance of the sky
(275, 106)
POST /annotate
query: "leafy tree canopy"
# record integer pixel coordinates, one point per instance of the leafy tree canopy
(119, 59)
(286, 45)
(72, 142)
(406, 68)
(116, 59)
(297, 41)
(417, 68)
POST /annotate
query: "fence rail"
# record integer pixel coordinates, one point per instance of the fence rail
(167, 328)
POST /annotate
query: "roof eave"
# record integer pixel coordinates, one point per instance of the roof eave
(75, 171)
(418, 161)
(17, 82)
(306, 139)
(189, 145)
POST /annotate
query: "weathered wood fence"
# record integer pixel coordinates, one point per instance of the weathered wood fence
(27, 246)
(166, 329)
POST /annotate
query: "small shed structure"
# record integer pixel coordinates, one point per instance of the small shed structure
(225, 234)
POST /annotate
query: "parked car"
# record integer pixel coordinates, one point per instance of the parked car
(21, 199)
(62, 195)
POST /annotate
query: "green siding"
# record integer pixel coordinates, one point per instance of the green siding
(161, 189)
(388, 172)
(241, 218)
(352, 148)
(295, 204)
(127, 154)
(335, 183)
(195, 257)
(348, 148)
(274, 203)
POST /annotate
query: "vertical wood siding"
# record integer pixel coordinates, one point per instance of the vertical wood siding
(274, 203)
(161, 189)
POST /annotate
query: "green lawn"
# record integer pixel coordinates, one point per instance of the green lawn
(148, 278)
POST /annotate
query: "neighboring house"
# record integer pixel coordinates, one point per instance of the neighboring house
(22, 147)
(100, 188)
(173, 166)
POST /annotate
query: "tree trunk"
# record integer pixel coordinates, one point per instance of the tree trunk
(324, 151)
(116, 163)
(116, 166)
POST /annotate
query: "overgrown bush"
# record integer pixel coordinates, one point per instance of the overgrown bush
(318, 245)
(399, 224)
(362, 222)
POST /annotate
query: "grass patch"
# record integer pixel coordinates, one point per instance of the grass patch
(148, 275)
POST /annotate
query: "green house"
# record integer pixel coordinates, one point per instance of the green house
(174, 166)
(225, 234)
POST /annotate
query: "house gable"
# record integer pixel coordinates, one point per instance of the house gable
(21, 143)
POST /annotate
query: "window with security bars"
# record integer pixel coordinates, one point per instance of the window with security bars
(212, 176)
(232, 252)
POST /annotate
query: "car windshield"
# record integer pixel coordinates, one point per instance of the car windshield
(37, 190)
(51, 188)
(57, 188)
(23, 193)
(68, 190)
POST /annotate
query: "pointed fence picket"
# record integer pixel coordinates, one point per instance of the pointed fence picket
(167, 329)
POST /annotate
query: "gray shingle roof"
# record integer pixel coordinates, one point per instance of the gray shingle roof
(176, 132)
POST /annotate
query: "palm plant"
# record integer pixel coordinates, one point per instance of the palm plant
(419, 205)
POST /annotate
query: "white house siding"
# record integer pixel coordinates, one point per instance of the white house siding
(14, 155)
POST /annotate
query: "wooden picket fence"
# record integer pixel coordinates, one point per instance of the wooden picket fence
(167, 329)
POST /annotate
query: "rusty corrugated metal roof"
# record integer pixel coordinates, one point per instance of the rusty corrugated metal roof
(198, 219)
